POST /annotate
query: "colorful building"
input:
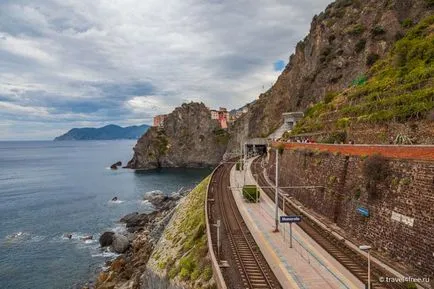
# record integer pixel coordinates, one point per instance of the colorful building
(223, 116)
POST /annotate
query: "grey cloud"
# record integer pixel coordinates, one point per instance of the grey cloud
(84, 62)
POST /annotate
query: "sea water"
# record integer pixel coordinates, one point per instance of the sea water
(49, 189)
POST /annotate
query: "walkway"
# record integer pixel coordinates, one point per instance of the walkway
(306, 265)
(415, 152)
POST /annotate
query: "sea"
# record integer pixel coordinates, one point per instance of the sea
(49, 189)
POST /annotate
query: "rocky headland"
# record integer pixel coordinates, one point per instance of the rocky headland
(108, 132)
(188, 138)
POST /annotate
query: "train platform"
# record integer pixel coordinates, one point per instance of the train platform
(306, 264)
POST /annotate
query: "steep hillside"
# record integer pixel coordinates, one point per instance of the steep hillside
(188, 138)
(108, 132)
(344, 41)
(180, 258)
(393, 102)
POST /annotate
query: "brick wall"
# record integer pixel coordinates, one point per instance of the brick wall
(407, 193)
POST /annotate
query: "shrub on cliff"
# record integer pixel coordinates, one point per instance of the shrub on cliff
(336, 137)
(375, 169)
(251, 193)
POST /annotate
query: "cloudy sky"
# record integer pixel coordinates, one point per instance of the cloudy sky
(72, 63)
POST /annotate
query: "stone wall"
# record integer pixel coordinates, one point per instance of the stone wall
(400, 225)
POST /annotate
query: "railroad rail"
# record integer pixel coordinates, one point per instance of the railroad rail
(349, 258)
(246, 266)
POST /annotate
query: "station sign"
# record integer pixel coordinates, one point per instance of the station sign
(290, 219)
(363, 211)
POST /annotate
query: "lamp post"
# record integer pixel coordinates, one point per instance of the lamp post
(276, 199)
(218, 239)
(255, 177)
(366, 249)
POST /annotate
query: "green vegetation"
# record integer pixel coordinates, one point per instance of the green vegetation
(343, 3)
(375, 169)
(372, 58)
(356, 29)
(162, 143)
(336, 137)
(400, 87)
(429, 3)
(402, 140)
(191, 263)
(330, 96)
(239, 166)
(407, 23)
(405, 181)
(360, 45)
(251, 193)
(360, 80)
(377, 31)
(358, 194)
(281, 148)
(343, 122)
(222, 136)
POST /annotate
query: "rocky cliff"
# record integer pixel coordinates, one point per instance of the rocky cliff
(344, 42)
(188, 138)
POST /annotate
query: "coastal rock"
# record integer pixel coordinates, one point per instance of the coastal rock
(116, 165)
(106, 239)
(188, 138)
(129, 218)
(120, 243)
(162, 201)
(136, 222)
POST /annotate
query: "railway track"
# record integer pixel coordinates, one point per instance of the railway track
(350, 259)
(247, 266)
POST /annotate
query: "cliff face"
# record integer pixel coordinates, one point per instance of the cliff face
(188, 138)
(344, 41)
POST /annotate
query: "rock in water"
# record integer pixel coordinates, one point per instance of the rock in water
(116, 165)
(106, 239)
(120, 243)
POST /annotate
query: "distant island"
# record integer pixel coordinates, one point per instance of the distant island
(108, 132)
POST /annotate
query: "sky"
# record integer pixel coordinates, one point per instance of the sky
(71, 63)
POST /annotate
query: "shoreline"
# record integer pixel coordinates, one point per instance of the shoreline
(142, 230)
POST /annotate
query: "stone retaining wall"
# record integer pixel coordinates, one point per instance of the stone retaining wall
(400, 224)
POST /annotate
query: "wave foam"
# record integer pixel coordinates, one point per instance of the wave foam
(24, 237)
(154, 192)
(116, 202)
(105, 254)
